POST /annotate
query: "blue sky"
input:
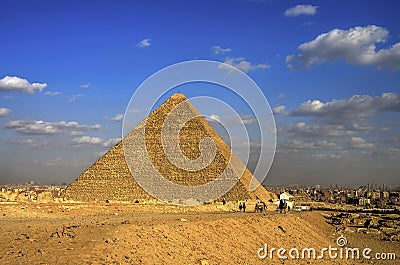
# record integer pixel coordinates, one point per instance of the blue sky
(329, 69)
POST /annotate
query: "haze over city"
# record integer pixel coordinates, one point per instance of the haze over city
(329, 69)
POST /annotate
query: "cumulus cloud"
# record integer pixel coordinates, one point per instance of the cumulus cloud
(360, 143)
(111, 142)
(280, 109)
(39, 127)
(95, 141)
(76, 133)
(117, 117)
(241, 64)
(144, 43)
(248, 119)
(302, 129)
(220, 50)
(301, 10)
(295, 144)
(52, 93)
(324, 144)
(4, 112)
(242, 119)
(357, 106)
(87, 140)
(14, 83)
(356, 46)
(341, 120)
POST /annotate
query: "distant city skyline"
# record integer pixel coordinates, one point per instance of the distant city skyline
(329, 69)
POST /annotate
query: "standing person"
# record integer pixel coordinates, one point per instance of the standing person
(240, 206)
(244, 207)
(223, 201)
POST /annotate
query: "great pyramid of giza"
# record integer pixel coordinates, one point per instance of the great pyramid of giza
(109, 178)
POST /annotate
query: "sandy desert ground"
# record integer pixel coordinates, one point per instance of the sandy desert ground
(116, 233)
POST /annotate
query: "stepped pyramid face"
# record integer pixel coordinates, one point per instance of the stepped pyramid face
(177, 144)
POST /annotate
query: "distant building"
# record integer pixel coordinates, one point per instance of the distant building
(364, 202)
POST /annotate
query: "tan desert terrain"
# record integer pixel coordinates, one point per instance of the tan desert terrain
(122, 233)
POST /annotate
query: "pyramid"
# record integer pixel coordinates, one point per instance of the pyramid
(110, 177)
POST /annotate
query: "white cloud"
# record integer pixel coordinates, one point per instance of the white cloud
(117, 117)
(14, 83)
(388, 102)
(301, 10)
(242, 119)
(295, 144)
(356, 46)
(248, 119)
(310, 106)
(87, 140)
(85, 85)
(280, 109)
(302, 129)
(144, 43)
(358, 142)
(75, 97)
(111, 142)
(52, 93)
(4, 112)
(356, 106)
(39, 127)
(220, 50)
(95, 141)
(76, 133)
(324, 144)
(241, 64)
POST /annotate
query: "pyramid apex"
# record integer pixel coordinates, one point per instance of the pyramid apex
(178, 96)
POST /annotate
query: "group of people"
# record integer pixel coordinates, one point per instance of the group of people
(242, 206)
(283, 206)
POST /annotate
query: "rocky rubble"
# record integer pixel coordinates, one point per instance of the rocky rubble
(385, 225)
